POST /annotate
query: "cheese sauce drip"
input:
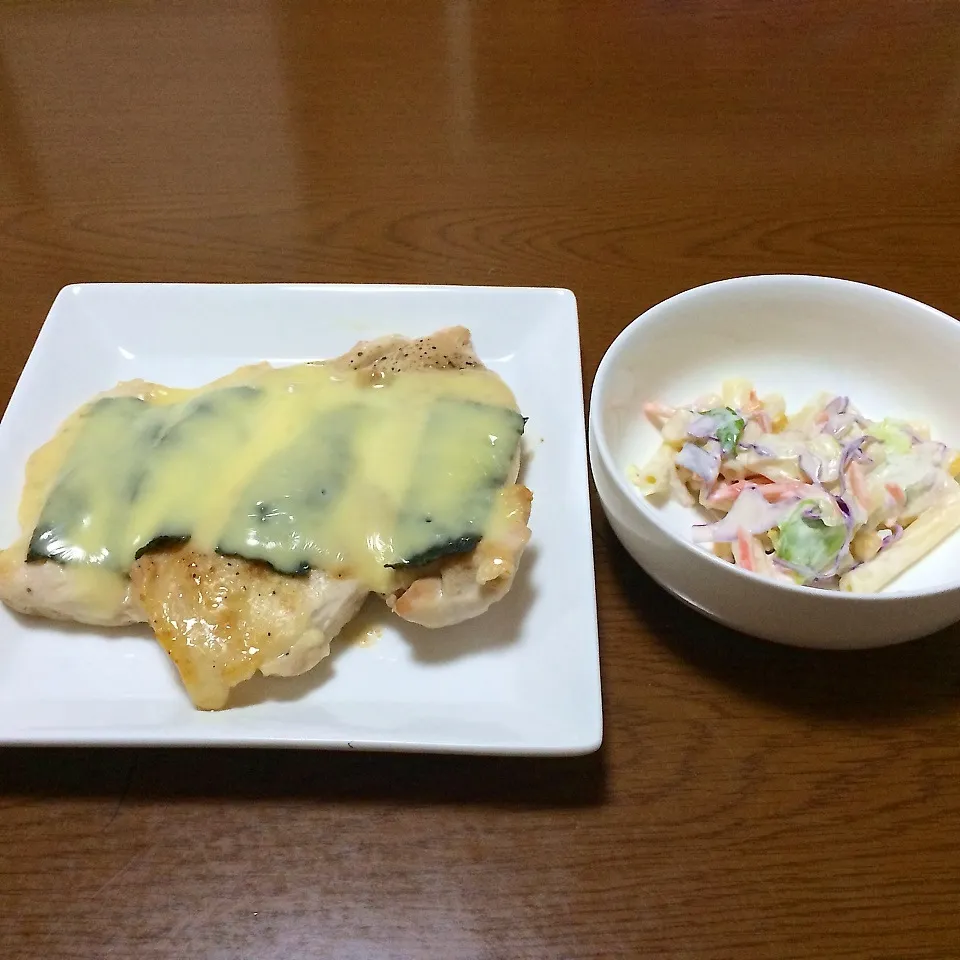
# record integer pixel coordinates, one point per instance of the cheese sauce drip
(301, 467)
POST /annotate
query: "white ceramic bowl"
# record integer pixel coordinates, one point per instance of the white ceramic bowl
(795, 335)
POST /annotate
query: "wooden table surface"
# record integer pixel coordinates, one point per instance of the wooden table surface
(749, 800)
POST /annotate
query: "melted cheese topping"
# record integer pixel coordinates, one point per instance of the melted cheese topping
(312, 466)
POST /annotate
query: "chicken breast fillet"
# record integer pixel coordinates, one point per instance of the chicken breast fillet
(222, 619)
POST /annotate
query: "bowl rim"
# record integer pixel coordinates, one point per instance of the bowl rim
(600, 446)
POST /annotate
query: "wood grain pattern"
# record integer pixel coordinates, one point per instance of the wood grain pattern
(750, 801)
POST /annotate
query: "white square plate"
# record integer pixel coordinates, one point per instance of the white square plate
(524, 678)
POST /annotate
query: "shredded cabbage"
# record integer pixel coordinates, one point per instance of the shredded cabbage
(794, 493)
